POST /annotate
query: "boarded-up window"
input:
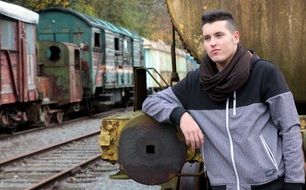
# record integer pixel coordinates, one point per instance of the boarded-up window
(8, 35)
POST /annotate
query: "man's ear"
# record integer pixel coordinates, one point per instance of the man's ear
(236, 37)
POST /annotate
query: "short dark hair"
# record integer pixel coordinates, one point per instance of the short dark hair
(219, 15)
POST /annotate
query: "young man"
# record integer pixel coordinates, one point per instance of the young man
(243, 107)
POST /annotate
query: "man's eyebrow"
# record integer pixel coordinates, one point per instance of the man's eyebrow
(220, 32)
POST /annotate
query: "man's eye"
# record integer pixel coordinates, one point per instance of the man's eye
(219, 35)
(206, 39)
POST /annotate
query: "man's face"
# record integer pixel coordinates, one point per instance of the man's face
(219, 42)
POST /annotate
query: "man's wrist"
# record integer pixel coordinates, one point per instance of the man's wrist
(176, 114)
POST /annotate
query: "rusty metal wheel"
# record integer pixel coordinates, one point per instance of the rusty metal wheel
(4, 120)
(45, 116)
(59, 117)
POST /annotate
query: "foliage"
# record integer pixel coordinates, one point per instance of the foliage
(148, 18)
(37, 5)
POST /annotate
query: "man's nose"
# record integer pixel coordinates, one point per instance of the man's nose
(213, 42)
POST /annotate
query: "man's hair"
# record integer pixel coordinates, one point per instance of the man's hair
(219, 15)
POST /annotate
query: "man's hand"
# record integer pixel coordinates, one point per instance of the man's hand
(192, 132)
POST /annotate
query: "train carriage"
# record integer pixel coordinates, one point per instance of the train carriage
(17, 64)
(108, 52)
(157, 55)
(59, 79)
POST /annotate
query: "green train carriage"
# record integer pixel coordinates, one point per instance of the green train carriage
(108, 52)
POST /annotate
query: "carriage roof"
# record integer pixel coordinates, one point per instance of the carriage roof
(17, 12)
(96, 22)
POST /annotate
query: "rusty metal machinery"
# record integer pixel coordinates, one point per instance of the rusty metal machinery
(147, 151)
(111, 128)
(150, 152)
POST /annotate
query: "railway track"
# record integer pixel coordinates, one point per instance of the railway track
(4, 136)
(43, 167)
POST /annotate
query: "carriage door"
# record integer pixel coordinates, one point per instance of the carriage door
(97, 58)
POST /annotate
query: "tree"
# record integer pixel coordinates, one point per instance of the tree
(40, 4)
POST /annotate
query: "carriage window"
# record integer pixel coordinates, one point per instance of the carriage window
(127, 46)
(117, 44)
(54, 53)
(30, 35)
(97, 40)
(8, 35)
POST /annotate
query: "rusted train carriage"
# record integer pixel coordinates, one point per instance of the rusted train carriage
(274, 29)
(18, 89)
(59, 79)
(108, 52)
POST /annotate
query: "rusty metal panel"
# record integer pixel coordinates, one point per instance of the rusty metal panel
(9, 89)
(273, 28)
(98, 69)
(31, 73)
(18, 63)
(44, 86)
(75, 74)
(110, 76)
(8, 74)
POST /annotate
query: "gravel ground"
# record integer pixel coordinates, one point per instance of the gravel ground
(29, 142)
(32, 141)
(103, 182)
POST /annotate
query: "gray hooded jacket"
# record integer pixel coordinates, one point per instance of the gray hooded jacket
(252, 138)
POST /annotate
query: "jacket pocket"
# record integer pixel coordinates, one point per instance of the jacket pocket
(269, 152)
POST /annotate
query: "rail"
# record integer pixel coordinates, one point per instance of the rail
(151, 68)
(50, 163)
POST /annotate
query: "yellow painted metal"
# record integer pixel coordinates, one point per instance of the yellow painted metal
(303, 130)
(111, 128)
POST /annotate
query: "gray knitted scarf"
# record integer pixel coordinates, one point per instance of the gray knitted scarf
(220, 85)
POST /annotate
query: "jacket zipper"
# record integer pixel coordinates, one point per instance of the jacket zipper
(269, 152)
(231, 144)
(234, 103)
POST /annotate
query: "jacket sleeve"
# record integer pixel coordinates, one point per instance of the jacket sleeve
(162, 105)
(168, 105)
(284, 115)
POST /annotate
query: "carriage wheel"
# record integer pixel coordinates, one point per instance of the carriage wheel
(59, 117)
(45, 116)
(4, 120)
